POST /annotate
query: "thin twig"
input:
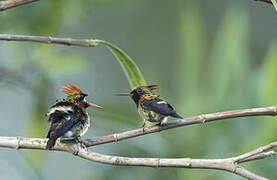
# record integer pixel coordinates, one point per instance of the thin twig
(256, 152)
(51, 40)
(262, 155)
(226, 164)
(4, 5)
(266, 111)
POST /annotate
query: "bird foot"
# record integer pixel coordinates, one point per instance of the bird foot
(80, 141)
(75, 151)
(75, 139)
(162, 124)
(75, 148)
(143, 126)
(67, 140)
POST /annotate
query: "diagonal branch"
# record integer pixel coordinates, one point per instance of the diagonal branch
(4, 5)
(226, 164)
(266, 111)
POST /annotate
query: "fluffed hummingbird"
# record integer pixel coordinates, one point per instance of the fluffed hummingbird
(150, 106)
(68, 117)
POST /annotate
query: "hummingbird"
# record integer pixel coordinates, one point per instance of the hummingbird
(68, 117)
(150, 106)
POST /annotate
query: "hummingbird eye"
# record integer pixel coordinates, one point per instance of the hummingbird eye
(79, 97)
(82, 97)
(139, 90)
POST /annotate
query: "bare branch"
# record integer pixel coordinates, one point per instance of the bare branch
(4, 5)
(258, 156)
(51, 40)
(255, 152)
(226, 164)
(266, 111)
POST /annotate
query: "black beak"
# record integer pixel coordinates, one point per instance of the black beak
(124, 94)
(94, 105)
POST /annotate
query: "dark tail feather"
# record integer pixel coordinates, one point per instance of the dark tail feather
(50, 143)
(176, 115)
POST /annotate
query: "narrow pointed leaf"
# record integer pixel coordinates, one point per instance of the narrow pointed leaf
(274, 4)
(129, 67)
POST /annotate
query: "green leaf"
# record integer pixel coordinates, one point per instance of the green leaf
(274, 4)
(129, 67)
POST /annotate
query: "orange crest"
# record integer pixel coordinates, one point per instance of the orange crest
(71, 89)
(152, 87)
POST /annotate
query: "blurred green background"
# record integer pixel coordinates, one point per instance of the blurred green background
(206, 56)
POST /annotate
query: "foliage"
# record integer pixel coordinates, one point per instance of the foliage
(129, 67)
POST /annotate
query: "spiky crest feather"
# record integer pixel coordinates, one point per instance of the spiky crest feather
(71, 89)
(152, 87)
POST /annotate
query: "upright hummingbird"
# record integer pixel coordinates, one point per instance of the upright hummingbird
(150, 106)
(68, 117)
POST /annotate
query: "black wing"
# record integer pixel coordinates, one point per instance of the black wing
(160, 107)
(60, 127)
(58, 116)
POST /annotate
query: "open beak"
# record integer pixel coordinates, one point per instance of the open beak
(124, 94)
(95, 105)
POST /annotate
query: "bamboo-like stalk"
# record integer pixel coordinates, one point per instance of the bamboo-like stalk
(226, 164)
(50, 40)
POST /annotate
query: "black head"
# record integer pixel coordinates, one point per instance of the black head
(76, 95)
(137, 92)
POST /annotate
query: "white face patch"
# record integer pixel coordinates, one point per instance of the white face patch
(60, 108)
